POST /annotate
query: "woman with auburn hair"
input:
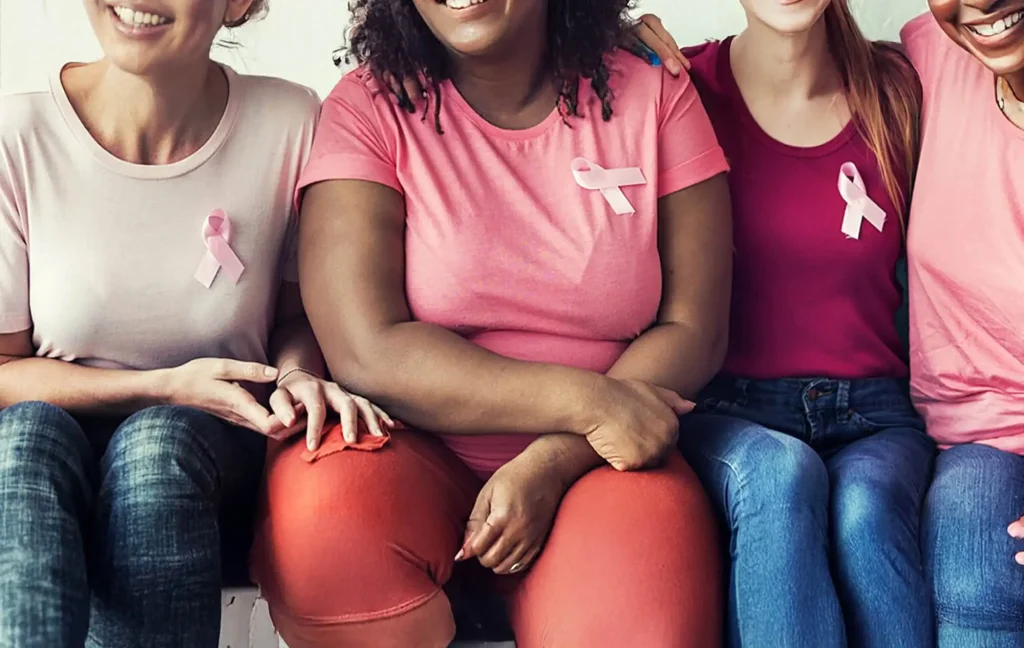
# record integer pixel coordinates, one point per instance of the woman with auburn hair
(532, 274)
(808, 443)
(148, 306)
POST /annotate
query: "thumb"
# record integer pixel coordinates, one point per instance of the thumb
(678, 404)
(476, 525)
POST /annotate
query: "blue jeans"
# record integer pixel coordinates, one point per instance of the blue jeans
(111, 532)
(979, 589)
(819, 484)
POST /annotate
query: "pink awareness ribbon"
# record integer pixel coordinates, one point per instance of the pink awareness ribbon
(859, 206)
(608, 181)
(219, 255)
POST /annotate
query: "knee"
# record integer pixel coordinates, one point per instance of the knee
(41, 440)
(372, 520)
(159, 452)
(782, 474)
(870, 508)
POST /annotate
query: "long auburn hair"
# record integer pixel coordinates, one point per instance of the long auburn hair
(884, 95)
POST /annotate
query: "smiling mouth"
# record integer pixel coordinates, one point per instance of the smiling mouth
(461, 4)
(996, 27)
(138, 19)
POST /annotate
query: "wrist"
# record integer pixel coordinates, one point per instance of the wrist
(156, 387)
(585, 401)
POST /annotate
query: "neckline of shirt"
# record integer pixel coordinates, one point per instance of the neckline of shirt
(747, 118)
(148, 171)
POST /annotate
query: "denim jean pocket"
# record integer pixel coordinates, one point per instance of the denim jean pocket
(875, 419)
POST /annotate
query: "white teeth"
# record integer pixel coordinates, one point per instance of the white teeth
(997, 27)
(139, 18)
(462, 4)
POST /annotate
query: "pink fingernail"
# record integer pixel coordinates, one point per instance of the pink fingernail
(1019, 558)
(459, 555)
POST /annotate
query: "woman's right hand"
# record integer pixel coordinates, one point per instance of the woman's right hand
(212, 386)
(636, 423)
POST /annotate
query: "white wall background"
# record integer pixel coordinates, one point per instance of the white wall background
(297, 38)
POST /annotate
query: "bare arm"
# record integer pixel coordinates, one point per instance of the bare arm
(353, 285)
(292, 343)
(81, 390)
(687, 346)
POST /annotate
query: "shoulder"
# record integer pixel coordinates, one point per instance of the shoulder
(926, 45)
(636, 82)
(292, 103)
(24, 112)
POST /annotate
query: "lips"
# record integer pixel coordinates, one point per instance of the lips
(459, 5)
(996, 27)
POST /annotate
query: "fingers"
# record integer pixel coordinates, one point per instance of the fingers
(678, 404)
(477, 527)
(232, 370)
(382, 415)
(316, 414)
(1017, 529)
(368, 415)
(514, 561)
(349, 413)
(254, 416)
(660, 40)
(503, 547)
(282, 407)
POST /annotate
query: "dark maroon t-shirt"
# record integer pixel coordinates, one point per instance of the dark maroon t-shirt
(807, 300)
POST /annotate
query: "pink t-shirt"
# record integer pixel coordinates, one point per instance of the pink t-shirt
(966, 251)
(502, 245)
(98, 256)
(807, 300)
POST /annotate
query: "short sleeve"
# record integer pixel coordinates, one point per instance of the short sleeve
(14, 299)
(350, 143)
(920, 37)
(688, 150)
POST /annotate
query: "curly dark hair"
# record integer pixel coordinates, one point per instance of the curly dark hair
(390, 37)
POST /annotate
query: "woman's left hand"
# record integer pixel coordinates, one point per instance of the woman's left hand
(299, 392)
(1017, 531)
(513, 514)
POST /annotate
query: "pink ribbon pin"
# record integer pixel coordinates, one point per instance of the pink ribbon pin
(219, 255)
(608, 181)
(859, 206)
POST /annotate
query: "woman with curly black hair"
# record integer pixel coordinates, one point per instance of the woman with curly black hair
(533, 274)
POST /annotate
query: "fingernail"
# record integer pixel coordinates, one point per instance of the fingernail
(1019, 558)
(459, 555)
(311, 444)
(270, 372)
(1016, 530)
(673, 66)
(654, 59)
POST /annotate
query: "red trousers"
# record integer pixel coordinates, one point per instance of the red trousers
(354, 549)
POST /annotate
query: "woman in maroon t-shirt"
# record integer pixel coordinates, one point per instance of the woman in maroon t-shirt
(808, 443)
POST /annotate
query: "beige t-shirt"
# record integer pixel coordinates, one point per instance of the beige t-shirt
(99, 256)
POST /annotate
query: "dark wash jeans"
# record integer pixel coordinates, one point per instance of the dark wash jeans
(820, 485)
(116, 534)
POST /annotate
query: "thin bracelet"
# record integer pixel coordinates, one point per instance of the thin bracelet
(281, 378)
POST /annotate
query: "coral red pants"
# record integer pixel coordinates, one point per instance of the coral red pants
(353, 550)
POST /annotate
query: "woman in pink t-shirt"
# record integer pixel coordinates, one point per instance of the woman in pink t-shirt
(146, 224)
(966, 281)
(529, 273)
(808, 443)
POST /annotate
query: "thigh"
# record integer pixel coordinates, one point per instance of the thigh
(632, 559)
(742, 464)
(884, 475)
(977, 492)
(387, 522)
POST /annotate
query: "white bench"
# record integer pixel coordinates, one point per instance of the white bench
(245, 623)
